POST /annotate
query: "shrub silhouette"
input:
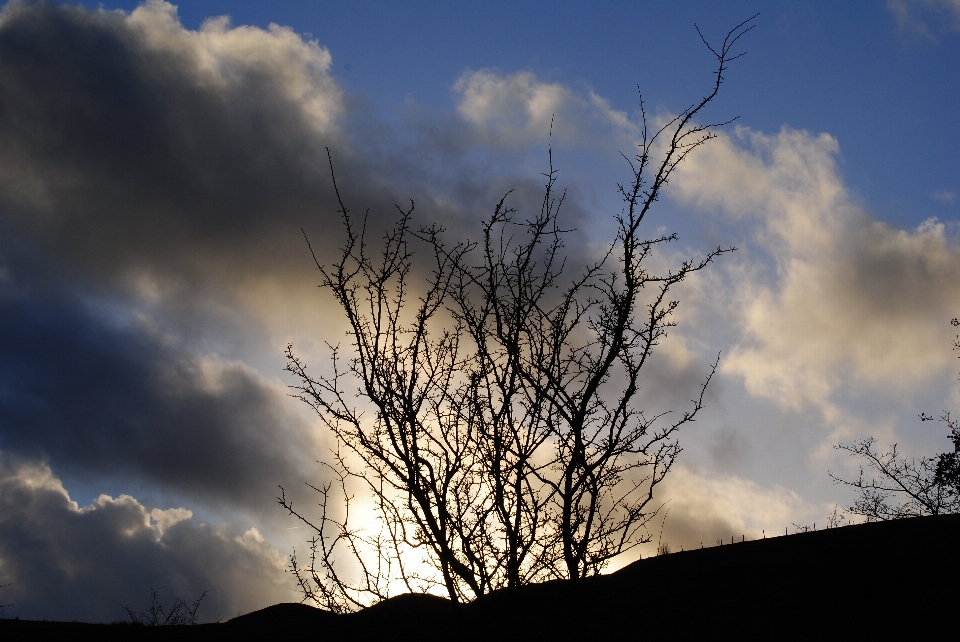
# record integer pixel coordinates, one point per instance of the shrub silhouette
(179, 613)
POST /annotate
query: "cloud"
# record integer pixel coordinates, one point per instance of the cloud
(707, 509)
(835, 298)
(702, 511)
(921, 18)
(945, 196)
(68, 562)
(107, 396)
(177, 168)
(132, 145)
(518, 109)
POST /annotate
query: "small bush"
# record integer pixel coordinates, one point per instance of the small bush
(179, 613)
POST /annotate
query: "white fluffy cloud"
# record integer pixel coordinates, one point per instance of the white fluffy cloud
(223, 55)
(833, 297)
(705, 509)
(517, 109)
(701, 511)
(67, 562)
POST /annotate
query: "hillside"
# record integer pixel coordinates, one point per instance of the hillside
(881, 578)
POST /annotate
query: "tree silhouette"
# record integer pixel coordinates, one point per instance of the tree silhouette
(947, 473)
(498, 433)
(907, 487)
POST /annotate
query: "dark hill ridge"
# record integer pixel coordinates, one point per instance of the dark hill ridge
(879, 578)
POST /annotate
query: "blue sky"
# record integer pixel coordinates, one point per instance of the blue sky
(156, 169)
(882, 88)
(883, 85)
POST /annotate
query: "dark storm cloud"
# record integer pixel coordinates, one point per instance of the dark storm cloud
(101, 396)
(71, 563)
(130, 142)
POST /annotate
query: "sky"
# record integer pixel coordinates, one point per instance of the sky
(158, 163)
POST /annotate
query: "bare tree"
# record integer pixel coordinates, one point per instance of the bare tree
(900, 486)
(504, 443)
(907, 487)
